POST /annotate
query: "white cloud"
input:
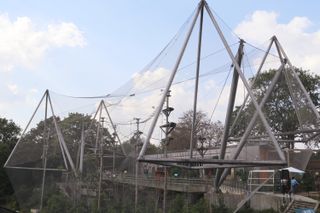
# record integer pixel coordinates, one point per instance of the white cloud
(31, 97)
(15, 106)
(13, 88)
(150, 79)
(300, 43)
(24, 44)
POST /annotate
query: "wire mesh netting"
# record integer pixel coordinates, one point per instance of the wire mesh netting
(80, 152)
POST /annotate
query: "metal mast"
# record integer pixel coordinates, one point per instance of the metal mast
(137, 145)
(46, 136)
(101, 160)
(232, 97)
(195, 100)
(167, 128)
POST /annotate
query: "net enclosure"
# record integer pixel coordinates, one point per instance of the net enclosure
(167, 131)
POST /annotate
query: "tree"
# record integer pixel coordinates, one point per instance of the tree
(308, 182)
(9, 134)
(205, 129)
(58, 203)
(279, 108)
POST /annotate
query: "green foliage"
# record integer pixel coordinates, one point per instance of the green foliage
(279, 107)
(307, 182)
(220, 209)
(58, 203)
(250, 210)
(9, 136)
(268, 211)
(178, 204)
(200, 207)
(242, 174)
(211, 132)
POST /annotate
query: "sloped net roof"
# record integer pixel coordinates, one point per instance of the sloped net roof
(80, 153)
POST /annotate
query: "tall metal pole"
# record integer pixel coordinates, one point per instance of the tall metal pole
(137, 164)
(114, 127)
(164, 203)
(61, 139)
(45, 149)
(101, 162)
(174, 71)
(114, 154)
(194, 117)
(81, 150)
(98, 128)
(232, 97)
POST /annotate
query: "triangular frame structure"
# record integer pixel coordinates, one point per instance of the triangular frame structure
(62, 145)
(284, 61)
(67, 159)
(98, 114)
(200, 10)
(236, 61)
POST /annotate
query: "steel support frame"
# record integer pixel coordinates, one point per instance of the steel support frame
(253, 82)
(259, 113)
(45, 149)
(114, 127)
(298, 80)
(194, 117)
(61, 139)
(232, 97)
(98, 128)
(253, 121)
(213, 166)
(247, 86)
(24, 131)
(211, 161)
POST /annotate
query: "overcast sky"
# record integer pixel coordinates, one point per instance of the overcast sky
(85, 48)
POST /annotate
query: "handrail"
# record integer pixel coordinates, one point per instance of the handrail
(154, 181)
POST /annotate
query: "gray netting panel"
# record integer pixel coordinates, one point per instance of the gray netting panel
(308, 118)
(39, 143)
(103, 135)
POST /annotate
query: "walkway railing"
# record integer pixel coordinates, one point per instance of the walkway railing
(178, 184)
(173, 184)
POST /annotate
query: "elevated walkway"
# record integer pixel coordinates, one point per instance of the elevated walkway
(173, 184)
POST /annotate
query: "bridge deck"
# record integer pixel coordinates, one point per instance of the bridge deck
(173, 184)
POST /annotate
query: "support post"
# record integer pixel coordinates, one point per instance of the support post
(165, 146)
(232, 97)
(82, 150)
(101, 162)
(98, 128)
(45, 149)
(114, 128)
(61, 139)
(137, 135)
(194, 118)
